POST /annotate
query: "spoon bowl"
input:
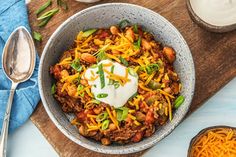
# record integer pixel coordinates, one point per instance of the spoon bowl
(18, 61)
(18, 67)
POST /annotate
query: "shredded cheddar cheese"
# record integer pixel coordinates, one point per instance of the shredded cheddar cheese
(216, 142)
(169, 107)
(112, 118)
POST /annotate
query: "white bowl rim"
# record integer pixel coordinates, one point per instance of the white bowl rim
(91, 147)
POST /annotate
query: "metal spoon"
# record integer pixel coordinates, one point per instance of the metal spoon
(18, 61)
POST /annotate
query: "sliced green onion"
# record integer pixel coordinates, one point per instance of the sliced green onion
(76, 65)
(123, 61)
(53, 89)
(132, 72)
(112, 68)
(43, 7)
(94, 66)
(47, 14)
(137, 44)
(102, 95)
(44, 22)
(95, 101)
(37, 36)
(79, 88)
(62, 4)
(111, 82)
(88, 33)
(179, 101)
(102, 116)
(154, 66)
(101, 55)
(105, 124)
(122, 113)
(133, 96)
(116, 85)
(123, 24)
(101, 75)
(101, 49)
(151, 68)
(136, 28)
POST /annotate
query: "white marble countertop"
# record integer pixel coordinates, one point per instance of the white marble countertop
(27, 141)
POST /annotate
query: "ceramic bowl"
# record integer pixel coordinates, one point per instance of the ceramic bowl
(204, 132)
(205, 25)
(104, 16)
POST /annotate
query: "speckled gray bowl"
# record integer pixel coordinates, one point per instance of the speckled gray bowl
(104, 16)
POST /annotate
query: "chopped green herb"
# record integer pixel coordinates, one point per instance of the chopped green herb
(53, 89)
(88, 33)
(105, 124)
(101, 75)
(123, 24)
(76, 65)
(102, 95)
(179, 101)
(123, 61)
(137, 44)
(135, 28)
(37, 36)
(62, 4)
(102, 116)
(43, 7)
(122, 113)
(47, 14)
(132, 72)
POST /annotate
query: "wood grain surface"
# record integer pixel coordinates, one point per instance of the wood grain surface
(214, 56)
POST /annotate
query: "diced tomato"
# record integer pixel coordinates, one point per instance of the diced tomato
(104, 34)
(81, 116)
(150, 117)
(137, 137)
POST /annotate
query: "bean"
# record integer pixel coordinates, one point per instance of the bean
(105, 141)
(114, 30)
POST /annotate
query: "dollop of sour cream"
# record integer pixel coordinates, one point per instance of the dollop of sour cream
(113, 94)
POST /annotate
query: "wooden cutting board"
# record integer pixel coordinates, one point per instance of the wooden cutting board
(214, 56)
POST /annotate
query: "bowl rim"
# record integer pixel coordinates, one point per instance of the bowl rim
(203, 131)
(122, 150)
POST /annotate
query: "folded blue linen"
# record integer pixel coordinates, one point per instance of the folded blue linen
(13, 13)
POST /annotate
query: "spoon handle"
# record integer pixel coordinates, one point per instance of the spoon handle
(4, 132)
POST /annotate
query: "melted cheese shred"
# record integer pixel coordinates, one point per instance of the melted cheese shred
(220, 142)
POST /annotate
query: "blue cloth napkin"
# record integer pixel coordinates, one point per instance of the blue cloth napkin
(13, 13)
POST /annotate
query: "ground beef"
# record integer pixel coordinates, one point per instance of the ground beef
(69, 104)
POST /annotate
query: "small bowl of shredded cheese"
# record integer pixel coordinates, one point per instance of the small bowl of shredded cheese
(216, 141)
